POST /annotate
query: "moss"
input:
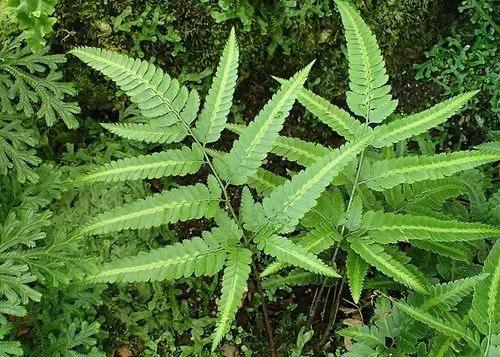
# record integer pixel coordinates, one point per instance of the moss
(404, 28)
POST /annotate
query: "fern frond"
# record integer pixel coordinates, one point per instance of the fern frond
(356, 270)
(336, 118)
(329, 210)
(390, 228)
(440, 346)
(191, 257)
(16, 153)
(33, 84)
(457, 251)
(451, 326)
(391, 262)
(234, 286)
(296, 150)
(265, 182)
(297, 277)
(426, 196)
(287, 251)
(258, 138)
(493, 147)
(166, 163)
(369, 335)
(289, 202)
(148, 133)
(178, 204)
(415, 124)
(485, 312)
(385, 174)
(220, 96)
(158, 97)
(369, 96)
(251, 213)
(448, 295)
(319, 239)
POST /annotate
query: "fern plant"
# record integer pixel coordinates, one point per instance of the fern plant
(297, 217)
(31, 83)
(446, 322)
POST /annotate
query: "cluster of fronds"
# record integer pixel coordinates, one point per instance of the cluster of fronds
(367, 170)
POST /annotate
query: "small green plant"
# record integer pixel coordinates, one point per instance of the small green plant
(365, 169)
(34, 18)
(31, 83)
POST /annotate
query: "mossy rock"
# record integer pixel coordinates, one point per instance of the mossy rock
(405, 29)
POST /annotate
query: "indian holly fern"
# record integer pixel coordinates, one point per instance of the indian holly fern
(362, 198)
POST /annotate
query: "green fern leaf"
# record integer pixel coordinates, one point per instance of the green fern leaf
(148, 133)
(31, 83)
(485, 311)
(452, 326)
(391, 262)
(251, 213)
(287, 204)
(390, 228)
(179, 204)
(166, 163)
(329, 210)
(158, 97)
(356, 270)
(440, 346)
(385, 174)
(448, 295)
(265, 182)
(220, 96)
(369, 96)
(455, 251)
(16, 154)
(258, 138)
(419, 123)
(319, 239)
(336, 118)
(302, 152)
(191, 257)
(287, 251)
(296, 277)
(234, 286)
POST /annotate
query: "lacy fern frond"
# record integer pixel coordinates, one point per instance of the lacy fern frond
(391, 262)
(285, 250)
(159, 97)
(258, 138)
(220, 96)
(289, 202)
(356, 270)
(385, 174)
(31, 83)
(16, 153)
(191, 257)
(165, 163)
(485, 312)
(391, 228)
(178, 204)
(234, 286)
(369, 96)
(148, 133)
